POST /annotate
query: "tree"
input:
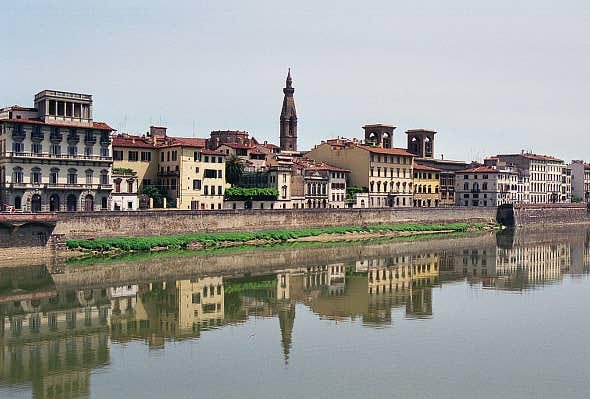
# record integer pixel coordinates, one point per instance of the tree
(234, 168)
(155, 193)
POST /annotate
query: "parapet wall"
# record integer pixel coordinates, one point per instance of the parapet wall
(153, 223)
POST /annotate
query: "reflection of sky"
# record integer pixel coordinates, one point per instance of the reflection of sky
(481, 343)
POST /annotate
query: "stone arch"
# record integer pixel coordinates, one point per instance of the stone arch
(71, 202)
(88, 203)
(54, 203)
(36, 203)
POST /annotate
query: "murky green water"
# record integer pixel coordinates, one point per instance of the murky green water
(485, 317)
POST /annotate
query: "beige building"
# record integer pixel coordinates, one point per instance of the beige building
(386, 172)
(189, 173)
(54, 157)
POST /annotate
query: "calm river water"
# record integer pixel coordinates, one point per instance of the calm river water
(491, 316)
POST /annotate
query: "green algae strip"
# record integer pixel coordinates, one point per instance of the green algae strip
(214, 239)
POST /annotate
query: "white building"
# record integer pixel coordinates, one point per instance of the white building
(580, 175)
(124, 195)
(486, 186)
(54, 157)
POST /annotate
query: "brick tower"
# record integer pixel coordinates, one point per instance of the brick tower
(288, 120)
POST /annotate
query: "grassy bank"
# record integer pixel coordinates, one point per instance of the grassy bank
(211, 240)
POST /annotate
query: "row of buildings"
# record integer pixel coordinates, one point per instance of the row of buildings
(55, 157)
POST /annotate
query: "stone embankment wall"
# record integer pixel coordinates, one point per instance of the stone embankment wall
(258, 261)
(153, 223)
(550, 214)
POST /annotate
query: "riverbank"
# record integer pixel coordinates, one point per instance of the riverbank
(101, 246)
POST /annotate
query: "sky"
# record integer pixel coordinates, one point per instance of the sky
(495, 77)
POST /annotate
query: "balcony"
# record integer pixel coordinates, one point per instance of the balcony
(165, 173)
(45, 155)
(59, 186)
(18, 133)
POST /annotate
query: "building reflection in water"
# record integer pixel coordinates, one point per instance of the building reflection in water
(53, 337)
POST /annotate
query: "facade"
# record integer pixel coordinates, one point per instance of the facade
(288, 118)
(486, 186)
(580, 178)
(124, 195)
(547, 180)
(385, 172)
(191, 175)
(54, 157)
(426, 186)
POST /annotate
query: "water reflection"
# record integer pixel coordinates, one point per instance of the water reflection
(53, 335)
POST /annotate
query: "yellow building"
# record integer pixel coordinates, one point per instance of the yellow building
(426, 186)
(183, 168)
(385, 172)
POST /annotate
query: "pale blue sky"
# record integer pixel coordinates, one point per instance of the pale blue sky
(500, 77)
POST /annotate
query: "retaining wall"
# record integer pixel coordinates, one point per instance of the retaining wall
(153, 223)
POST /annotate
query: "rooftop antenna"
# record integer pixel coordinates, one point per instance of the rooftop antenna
(194, 130)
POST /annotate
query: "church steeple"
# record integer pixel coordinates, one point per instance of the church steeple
(288, 119)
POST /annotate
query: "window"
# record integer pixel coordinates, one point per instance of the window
(206, 158)
(219, 190)
(89, 175)
(210, 174)
(161, 157)
(104, 152)
(18, 147)
(196, 184)
(212, 190)
(174, 155)
(117, 155)
(104, 177)
(88, 151)
(36, 148)
(17, 175)
(466, 186)
(132, 156)
(220, 159)
(197, 156)
(220, 174)
(53, 176)
(36, 176)
(206, 190)
(130, 186)
(146, 156)
(117, 186)
(72, 176)
(72, 151)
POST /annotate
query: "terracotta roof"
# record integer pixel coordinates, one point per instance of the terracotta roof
(270, 145)
(183, 142)
(95, 125)
(238, 146)
(327, 167)
(479, 169)
(426, 168)
(120, 140)
(536, 157)
(389, 151)
(206, 151)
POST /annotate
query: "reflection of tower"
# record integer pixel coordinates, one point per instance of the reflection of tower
(421, 142)
(286, 322)
(379, 135)
(288, 120)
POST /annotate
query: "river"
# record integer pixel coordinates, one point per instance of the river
(494, 315)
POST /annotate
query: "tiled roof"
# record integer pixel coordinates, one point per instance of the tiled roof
(327, 167)
(535, 157)
(206, 151)
(183, 142)
(238, 146)
(270, 146)
(479, 169)
(120, 140)
(425, 168)
(388, 151)
(95, 125)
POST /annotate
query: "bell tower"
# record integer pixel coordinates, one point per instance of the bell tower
(288, 119)
(421, 142)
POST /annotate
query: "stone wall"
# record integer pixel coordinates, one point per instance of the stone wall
(550, 214)
(153, 223)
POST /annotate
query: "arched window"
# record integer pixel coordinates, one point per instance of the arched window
(465, 186)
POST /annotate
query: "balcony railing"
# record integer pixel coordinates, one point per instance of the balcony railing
(61, 186)
(56, 156)
(169, 173)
